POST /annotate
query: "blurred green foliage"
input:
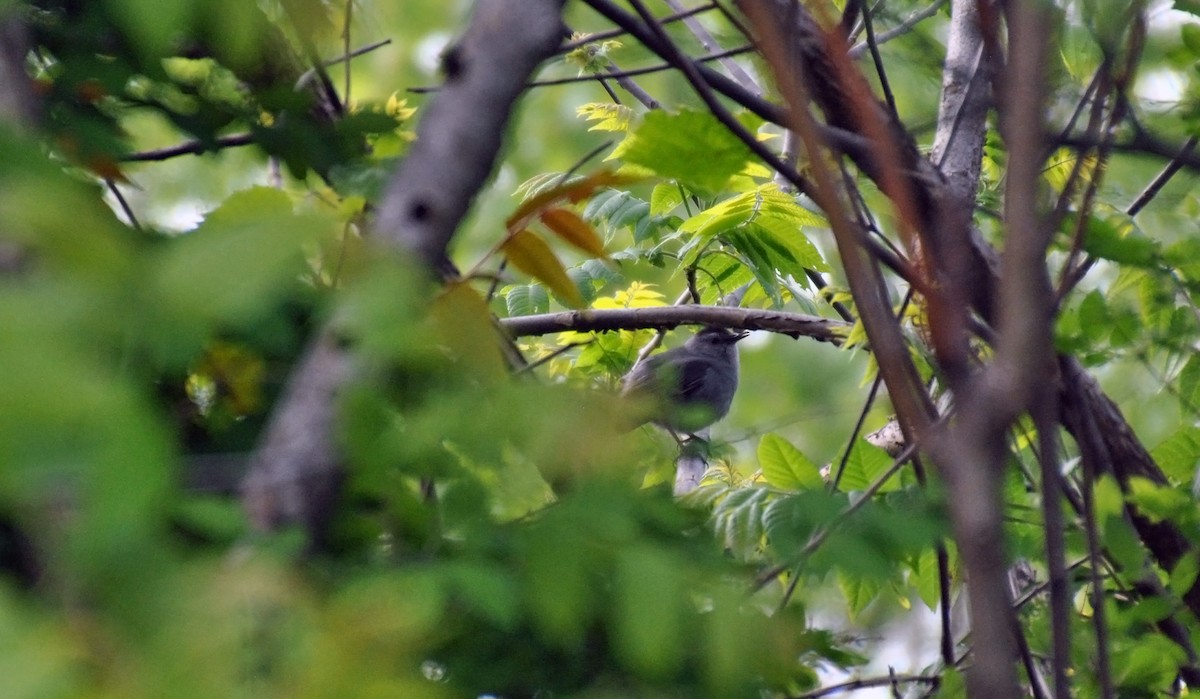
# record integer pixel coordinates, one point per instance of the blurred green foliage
(495, 536)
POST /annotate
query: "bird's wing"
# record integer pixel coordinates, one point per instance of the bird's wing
(693, 375)
(643, 379)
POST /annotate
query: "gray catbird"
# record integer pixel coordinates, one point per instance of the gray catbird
(687, 388)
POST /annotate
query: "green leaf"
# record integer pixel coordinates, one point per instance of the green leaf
(789, 522)
(1189, 383)
(1179, 454)
(622, 210)
(1149, 664)
(721, 275)
(1184, 574)
(757, 258)
(649, 619)
(217, 519)
(1190, 33)
(867, 463)
(236, 264)
(765, 203)
(1123, 543)
(526, 300)
(926, 580)
(153, 23)
(1093, 316)
(487, 589)
(766, 225)
(690, 146)
(1117, 239)
(859, 592)
(1158, 502)
(785, 467)
(608, 116)
(665, 197)
(738, 519)
(557, 587)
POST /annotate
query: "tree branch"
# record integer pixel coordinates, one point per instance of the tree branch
(667, 317)
(426, 199)
(295, 473)
(18, 104)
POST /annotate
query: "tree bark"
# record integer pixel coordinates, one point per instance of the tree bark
(295, 473)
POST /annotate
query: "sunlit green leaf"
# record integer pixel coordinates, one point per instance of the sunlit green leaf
(692, 147)
(785, 467)
(867, 463)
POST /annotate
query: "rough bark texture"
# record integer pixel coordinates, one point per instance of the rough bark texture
(454, 154)
(667, 317)
(18, 105)
(959, 267)
(295, 474)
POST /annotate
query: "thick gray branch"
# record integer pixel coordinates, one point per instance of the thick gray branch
(18, 105)
(963, 109)
(457, 145)
(666, 317)
(295, 473)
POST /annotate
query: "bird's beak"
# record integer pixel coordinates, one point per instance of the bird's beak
(740, 336)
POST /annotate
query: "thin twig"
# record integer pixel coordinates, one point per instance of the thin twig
(857, 429)
(549, 357)
(1091, 453)
(707, 41)
(865, 683)
(862, 414)
(1147, 195)
(632, 87)
(1045, 417)
(309, 74)
(704, 90)
(346, 50)
(613, 33)
(1102, 131)
(900, 29)
(189, 148)
(877, 59)
(120, 197)
(612, 73)
(314, 59)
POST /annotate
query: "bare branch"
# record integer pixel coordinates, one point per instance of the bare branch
(18, 104)
(294, 476)
(710, 44)
(900, 29)
(296, 470)
(667, 317)
(613, 33)
(867, 682)
(189, 148)
(425, 200)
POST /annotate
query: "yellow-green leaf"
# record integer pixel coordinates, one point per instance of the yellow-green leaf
(530, 254)
(785, 467)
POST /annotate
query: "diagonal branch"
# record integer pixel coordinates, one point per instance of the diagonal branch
(295, 473)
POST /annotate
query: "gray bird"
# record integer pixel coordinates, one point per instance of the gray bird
(690, 387)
